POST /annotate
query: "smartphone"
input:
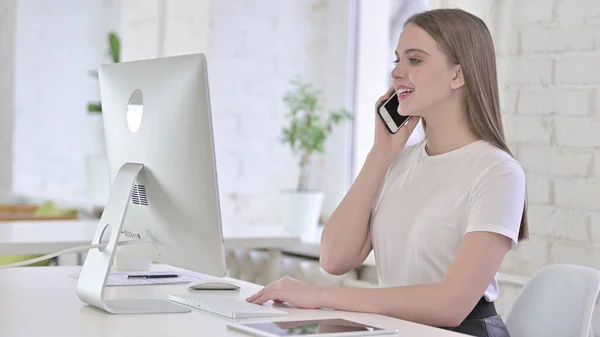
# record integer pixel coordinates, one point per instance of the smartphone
(388, 111)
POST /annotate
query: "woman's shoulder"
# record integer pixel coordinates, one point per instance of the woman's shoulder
(491, 155)
(495, 163)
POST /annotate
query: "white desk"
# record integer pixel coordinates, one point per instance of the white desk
(45, 237)
(42, 301)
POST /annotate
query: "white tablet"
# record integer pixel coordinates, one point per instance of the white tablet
(335, 327)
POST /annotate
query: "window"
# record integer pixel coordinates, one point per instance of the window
(376, 41)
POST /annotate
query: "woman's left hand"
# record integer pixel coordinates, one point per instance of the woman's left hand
(289, 290)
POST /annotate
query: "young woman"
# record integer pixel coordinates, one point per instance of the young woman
(441, 214)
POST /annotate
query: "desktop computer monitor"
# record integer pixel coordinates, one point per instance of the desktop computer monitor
(164, 191)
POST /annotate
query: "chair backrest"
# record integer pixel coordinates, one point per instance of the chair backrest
(558, 300)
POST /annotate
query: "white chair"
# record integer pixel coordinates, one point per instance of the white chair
(558, 301)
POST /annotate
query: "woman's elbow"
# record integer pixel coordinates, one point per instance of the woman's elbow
(454, 313)
(331, 265)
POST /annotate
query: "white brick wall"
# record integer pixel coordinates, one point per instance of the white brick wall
(528, 258)
(508, 102)
(254, 49)
(529, 71)
(541, 40)
(577, 132)
(539, 189)
(548, 160)
(548, 59)
(8, 11)
(577, 195)
(576, 13)
(251, 56)
(528, 129)
(578, 69)
(560, 222)
(556, 98)
(58, 42)
(555, 101)
(140, 29)
(531, 12)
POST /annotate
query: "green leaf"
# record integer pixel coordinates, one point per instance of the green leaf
(317, 140)
(115, 47)
(48, 208)
(94, 108)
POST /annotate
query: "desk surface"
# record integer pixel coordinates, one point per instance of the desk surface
(43, 237)
(42, 301)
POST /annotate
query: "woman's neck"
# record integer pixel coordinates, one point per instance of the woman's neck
(447, 130)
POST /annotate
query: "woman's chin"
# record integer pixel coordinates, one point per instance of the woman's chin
(404, 109)
(404, 112)
(407, 110)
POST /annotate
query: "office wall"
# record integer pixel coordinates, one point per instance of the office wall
(548, 54)
(57, 43)
(8, 12)
(159, 28)
(552, 122)
(254, 48)
(552, 109)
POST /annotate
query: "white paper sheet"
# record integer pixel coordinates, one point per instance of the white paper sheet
(120, 278)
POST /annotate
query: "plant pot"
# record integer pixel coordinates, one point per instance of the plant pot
(300, 212)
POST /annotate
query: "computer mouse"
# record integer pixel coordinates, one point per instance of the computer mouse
(213, 284)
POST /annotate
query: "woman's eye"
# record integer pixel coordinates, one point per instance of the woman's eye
(413, 60)
(396, 61)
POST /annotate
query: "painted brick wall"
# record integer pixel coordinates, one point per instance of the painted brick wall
(254, 48)
(554, 129)
(251, 60)
(548, 54)
(553, 124)
(58, 43)
(8, 11)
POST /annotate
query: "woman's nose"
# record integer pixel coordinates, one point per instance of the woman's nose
(399, 71)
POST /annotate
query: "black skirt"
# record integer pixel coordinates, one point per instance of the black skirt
(483, 321)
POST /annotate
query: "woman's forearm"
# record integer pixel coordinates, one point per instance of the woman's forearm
(430, 304)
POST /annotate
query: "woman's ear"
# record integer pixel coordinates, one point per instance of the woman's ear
(458, 80)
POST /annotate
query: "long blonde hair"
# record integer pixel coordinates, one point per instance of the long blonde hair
(466, 40)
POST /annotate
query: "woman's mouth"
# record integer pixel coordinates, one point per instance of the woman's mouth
(404, 92)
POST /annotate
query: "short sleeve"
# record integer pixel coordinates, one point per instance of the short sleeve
(497, 200)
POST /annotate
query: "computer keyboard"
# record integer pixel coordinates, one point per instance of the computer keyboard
(226, 306)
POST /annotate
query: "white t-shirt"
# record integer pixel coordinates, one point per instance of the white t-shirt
(428, 203)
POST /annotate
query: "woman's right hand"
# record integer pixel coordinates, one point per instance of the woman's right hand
(385, 142)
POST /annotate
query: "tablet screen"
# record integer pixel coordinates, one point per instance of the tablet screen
(312, 327)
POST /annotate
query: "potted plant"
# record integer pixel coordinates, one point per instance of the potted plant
(306, 133)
